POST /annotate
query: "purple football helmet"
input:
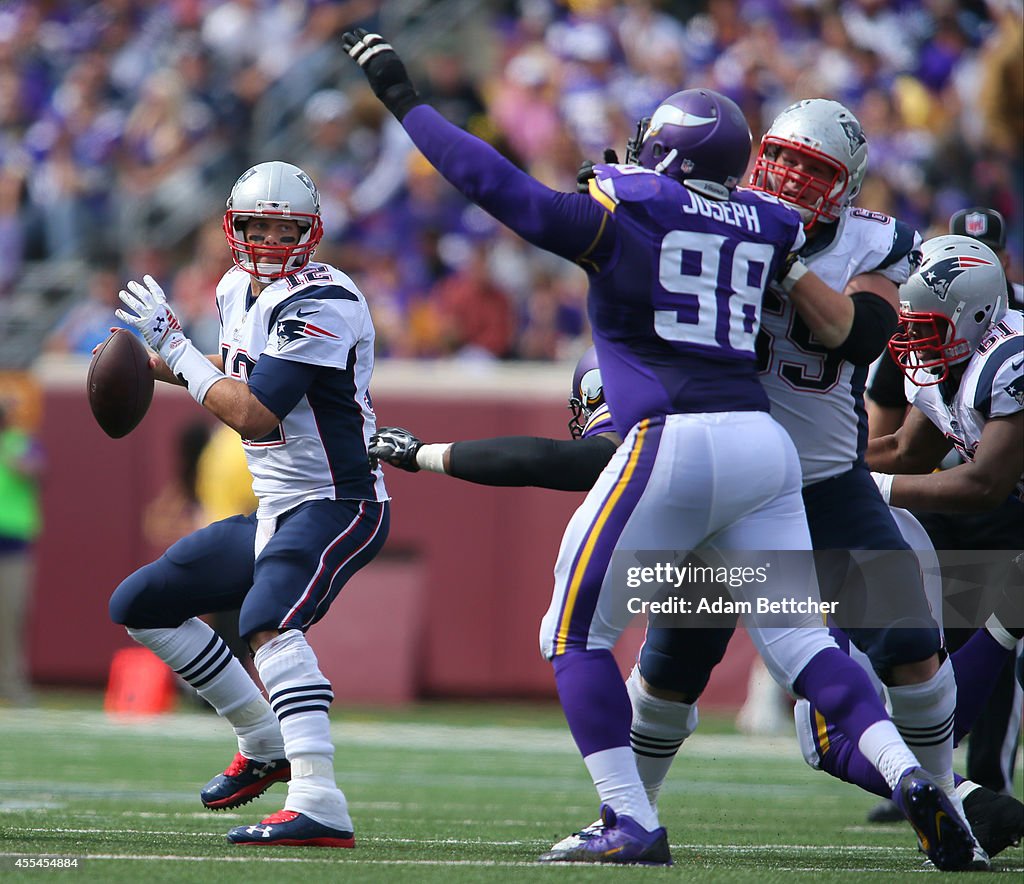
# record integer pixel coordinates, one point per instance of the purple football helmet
(587, 392)
(698, 136)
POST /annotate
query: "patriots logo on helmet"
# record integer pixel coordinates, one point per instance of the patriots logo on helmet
(305, 179)
(289, 330)
(246, 175)
(854, 133)
(940, 275)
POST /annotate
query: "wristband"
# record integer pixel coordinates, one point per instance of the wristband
(884, 483)
(1000, 633)
(193, 368)
(796, 273)
(431, 457)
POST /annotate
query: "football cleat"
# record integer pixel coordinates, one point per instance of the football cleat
(243, 780)
(288, 828)
(576, 839)
(620, 840)
(997, 820)
(941, 834)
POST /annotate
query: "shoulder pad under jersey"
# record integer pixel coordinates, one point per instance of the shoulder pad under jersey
(624, 184)
(600, 421)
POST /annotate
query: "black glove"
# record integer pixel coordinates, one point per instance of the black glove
(384, 69)
(395, 446)
(786, 265)
(586, 170)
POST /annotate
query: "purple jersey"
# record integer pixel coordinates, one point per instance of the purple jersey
(676, 280)
(675, 293)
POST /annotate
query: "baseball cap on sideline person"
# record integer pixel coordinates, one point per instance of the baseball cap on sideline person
(985, 225)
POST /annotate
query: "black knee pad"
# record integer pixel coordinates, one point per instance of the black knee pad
(681, 660)
(126, 604)
(904, 641)
(139, 601)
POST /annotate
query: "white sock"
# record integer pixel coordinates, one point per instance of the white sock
(203, 659)
(883, 746)
(618, 783)
(658, 730)
(258, 731)
(923, 714)
(300, 697)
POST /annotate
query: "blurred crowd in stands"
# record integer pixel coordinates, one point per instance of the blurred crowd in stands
(123, 124)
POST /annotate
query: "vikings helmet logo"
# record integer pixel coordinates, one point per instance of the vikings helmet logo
(940, 275)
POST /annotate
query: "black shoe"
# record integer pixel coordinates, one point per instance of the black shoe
(244, 780)
(997, 820)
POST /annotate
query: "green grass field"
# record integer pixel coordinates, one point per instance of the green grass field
(439, 792)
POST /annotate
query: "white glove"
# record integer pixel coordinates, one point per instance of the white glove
(884, 483)
(152, 316)
(150, 313)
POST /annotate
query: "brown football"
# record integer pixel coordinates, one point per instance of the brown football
(120, 383)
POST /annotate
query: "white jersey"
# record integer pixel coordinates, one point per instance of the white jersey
(992, 386)
(816, 395)
(311, 336)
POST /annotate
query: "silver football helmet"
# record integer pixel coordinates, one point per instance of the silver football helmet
(946, 307)
(820, 134)
(273, 190)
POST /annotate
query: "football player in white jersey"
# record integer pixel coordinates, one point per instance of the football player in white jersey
(962, 351)
(992, 749)
(960, 348)
(292, 378)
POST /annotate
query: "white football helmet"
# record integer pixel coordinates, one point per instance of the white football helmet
(946, 307)
(273, 190)
(826, 134)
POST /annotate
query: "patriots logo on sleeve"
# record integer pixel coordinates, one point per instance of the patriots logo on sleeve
(1016, 388)
(941, 274)
(289, 330)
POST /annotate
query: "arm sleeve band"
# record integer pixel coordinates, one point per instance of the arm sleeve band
(874, 322)
(280, 383)
(529, 461)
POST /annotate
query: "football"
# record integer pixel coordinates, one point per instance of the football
(120, 383)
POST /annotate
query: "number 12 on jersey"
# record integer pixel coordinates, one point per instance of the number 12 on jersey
(714, 288)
